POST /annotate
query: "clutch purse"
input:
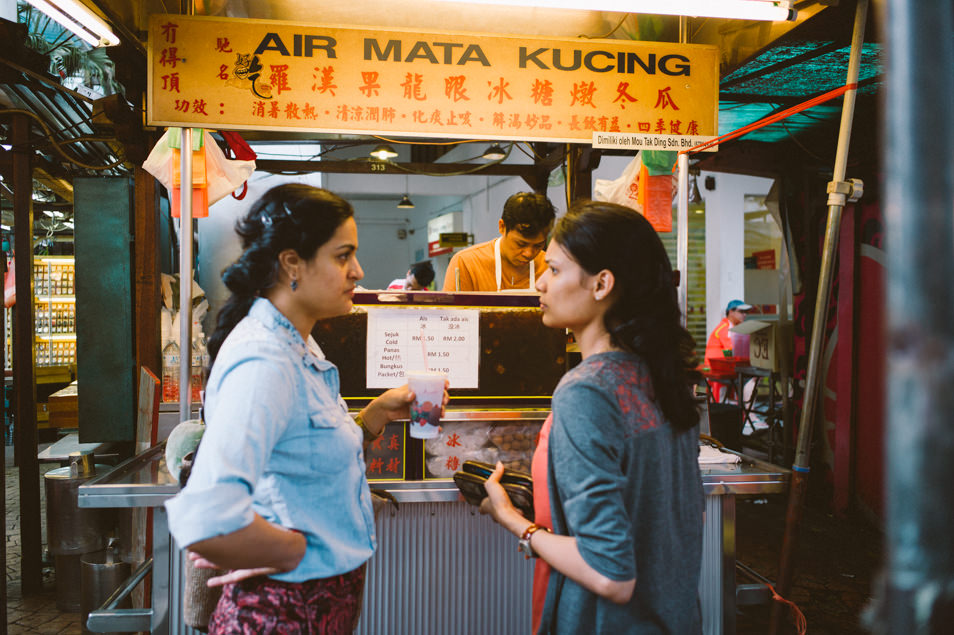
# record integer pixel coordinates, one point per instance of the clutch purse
(518, 485)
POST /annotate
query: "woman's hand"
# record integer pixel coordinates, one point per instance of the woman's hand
(392, 405)
(261, 548)
(498, 504)
(236, 575)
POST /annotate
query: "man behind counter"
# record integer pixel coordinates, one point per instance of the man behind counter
(417, 278)
(514, 260)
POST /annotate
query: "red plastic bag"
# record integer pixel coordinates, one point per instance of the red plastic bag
(239, 149)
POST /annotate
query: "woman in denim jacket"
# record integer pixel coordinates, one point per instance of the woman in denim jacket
(278, 493)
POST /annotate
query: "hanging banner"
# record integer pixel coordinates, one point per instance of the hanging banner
(230, 73)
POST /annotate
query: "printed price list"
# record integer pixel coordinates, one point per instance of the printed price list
(405, 340)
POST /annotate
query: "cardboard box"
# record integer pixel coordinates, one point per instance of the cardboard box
(63, 408)
(770, 341)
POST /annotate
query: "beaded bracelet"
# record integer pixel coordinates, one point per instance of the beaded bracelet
(368, 435)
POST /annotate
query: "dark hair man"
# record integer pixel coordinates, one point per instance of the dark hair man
(512, 261)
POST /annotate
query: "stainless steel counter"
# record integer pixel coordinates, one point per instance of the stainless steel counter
(435, 507)
(749, 477)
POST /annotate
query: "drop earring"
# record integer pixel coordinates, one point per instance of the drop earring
(294, 284)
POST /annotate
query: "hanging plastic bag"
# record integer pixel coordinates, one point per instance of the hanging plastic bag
(224, 175)
(219, 174)
(10, 284)
(625, 189)
(239, 149)
(655, 197)
(656, 188)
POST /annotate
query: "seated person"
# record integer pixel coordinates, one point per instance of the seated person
(720, 340)
(514, 260)
(418, 277)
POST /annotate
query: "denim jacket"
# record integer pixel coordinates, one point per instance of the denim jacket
(279, 442)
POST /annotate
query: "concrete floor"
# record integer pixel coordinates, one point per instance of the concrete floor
(837, 560)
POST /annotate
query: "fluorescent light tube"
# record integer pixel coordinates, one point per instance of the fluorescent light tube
(734, 9)
(76, 17)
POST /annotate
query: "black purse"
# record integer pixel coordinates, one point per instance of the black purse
(518, 485)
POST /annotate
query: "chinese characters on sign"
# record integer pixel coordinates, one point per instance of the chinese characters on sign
(399, 339)
(258, 74)
(384, 458)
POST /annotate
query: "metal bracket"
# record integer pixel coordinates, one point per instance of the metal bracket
(109, 619)
(841, 192)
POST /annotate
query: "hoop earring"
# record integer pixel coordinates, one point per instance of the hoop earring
(294, 284)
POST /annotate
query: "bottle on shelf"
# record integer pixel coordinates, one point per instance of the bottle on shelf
(200, 361)
(170, 372)
(196, 374)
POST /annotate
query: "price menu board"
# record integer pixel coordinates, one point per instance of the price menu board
(404, 340)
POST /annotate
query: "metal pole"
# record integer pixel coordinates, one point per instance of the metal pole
(838, 193)
(682, 235)
(682, 216)
(185, 277)
(916, 594)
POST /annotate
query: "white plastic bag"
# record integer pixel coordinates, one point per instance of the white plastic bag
(223, 175)
(624, 190)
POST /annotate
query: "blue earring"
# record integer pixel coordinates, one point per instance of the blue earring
(294, 284)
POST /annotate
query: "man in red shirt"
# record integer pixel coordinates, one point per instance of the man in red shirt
(719, 340)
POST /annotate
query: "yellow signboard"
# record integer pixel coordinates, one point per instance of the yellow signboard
(227, 73)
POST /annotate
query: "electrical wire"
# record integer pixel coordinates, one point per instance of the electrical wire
(404, 168)
(531, 154)
(84, 120)
(568, 177)
(428, 143)
(56, 144)
(611, 31)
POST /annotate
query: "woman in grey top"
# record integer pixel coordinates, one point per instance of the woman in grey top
(623, 477)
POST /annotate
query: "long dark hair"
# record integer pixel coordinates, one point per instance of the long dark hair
(644, 317)
(290, 216)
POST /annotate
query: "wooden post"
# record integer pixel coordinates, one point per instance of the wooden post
(24, 360)
(147, 291)
(580, 162)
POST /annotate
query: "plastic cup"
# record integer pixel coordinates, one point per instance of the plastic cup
(428, 389)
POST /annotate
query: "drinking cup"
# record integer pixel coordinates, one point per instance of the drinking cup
(428, 389)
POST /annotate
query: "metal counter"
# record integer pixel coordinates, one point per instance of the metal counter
(434, 546)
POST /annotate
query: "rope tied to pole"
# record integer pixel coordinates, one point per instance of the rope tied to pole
(770, 119)
(801, 624)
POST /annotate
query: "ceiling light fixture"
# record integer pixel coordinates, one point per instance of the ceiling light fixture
(495, 153)
(384, 152)
(79, 19)
(695, 198)
(406, 200)
(777, 10)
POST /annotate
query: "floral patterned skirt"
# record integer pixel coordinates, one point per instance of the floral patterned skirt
(259, 606)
